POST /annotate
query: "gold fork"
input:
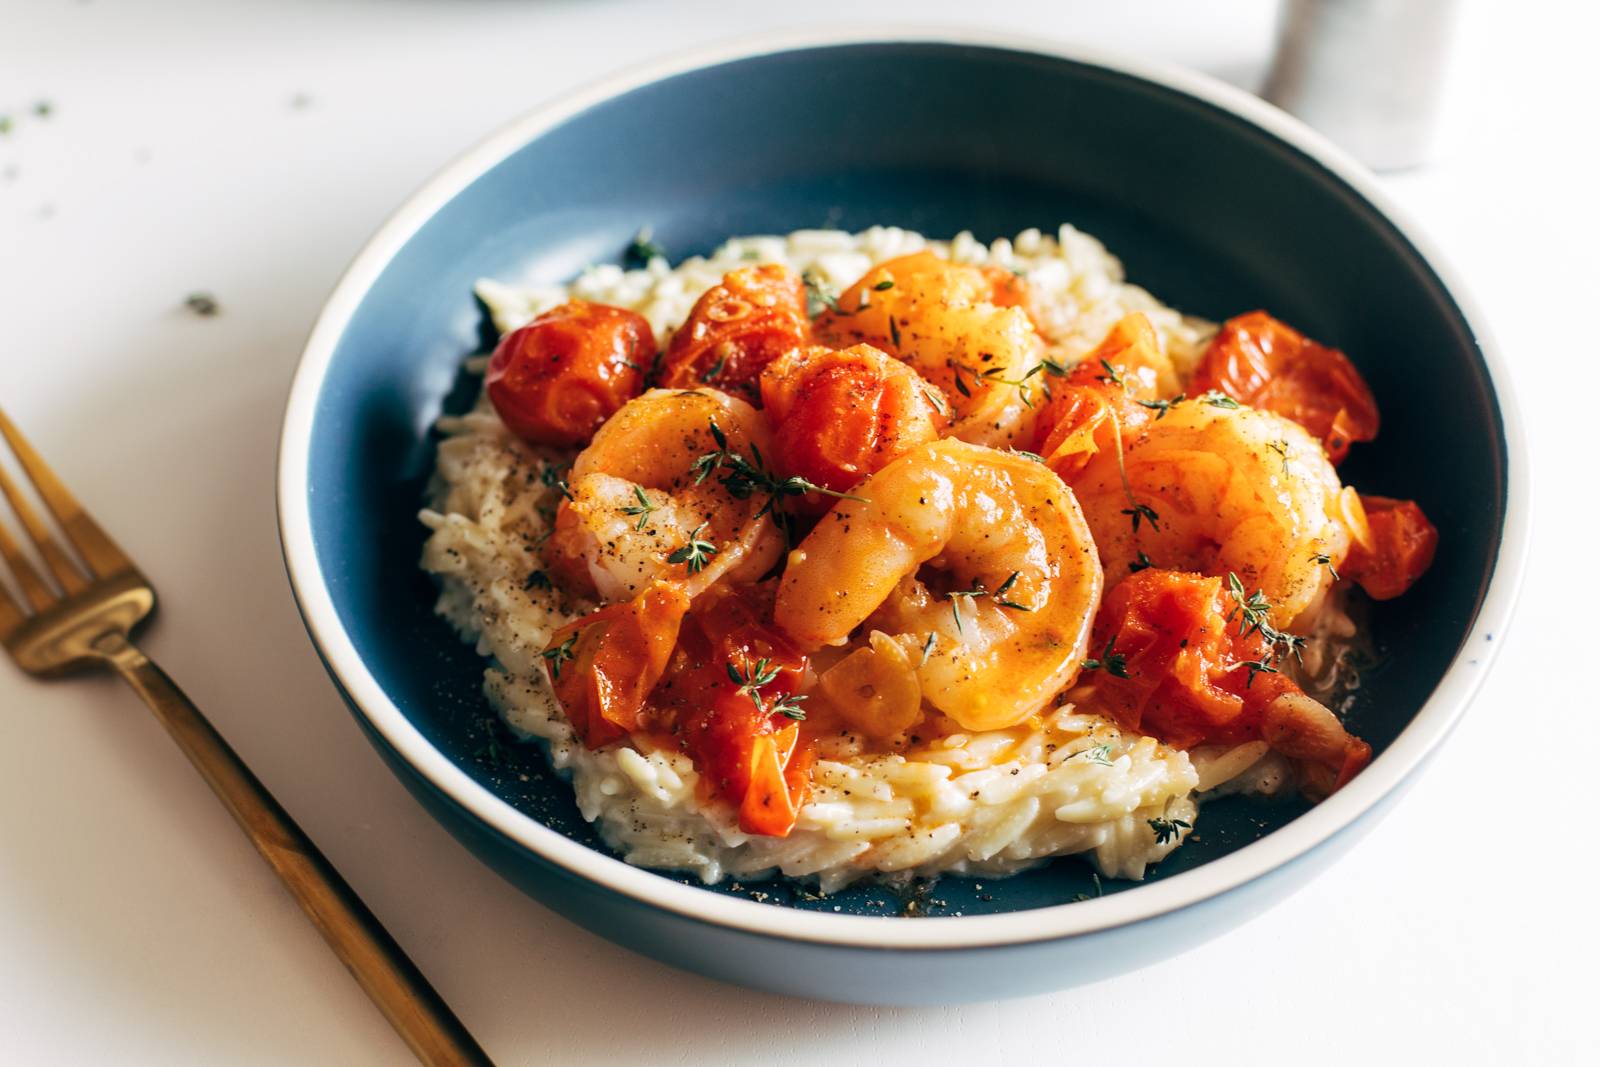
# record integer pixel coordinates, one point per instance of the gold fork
(85, 620)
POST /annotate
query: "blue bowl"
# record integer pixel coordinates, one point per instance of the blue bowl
(1215, 202)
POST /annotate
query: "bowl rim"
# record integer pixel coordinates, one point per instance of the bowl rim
(1427, 730)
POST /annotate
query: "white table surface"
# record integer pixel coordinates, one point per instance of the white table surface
(248, 149)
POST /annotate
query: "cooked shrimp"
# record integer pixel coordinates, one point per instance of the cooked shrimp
(1217, 489)
(977, 561)
(942, 318)
(1304, 730)
(636, 509)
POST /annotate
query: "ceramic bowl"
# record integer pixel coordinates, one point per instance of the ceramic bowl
(1214, 201)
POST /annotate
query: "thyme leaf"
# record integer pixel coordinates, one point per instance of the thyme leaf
(1111, 661)
(1161, 407)
(641, 509)
(696, 553)
(558, 656)
(1145, 512)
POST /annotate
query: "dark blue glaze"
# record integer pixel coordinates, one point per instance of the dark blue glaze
(1209, 212)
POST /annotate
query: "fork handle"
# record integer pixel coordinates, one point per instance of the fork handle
(393, 982)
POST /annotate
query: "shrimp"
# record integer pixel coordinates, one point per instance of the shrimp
(976, 561)
(943, 319)
(638, 506)
(1217, 490)
(1306, 731)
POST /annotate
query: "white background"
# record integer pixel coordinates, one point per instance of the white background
(249, 149)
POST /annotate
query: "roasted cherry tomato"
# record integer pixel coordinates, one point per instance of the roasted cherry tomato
(1403, 542)
(838, 416)
(752, 317)
(1176, 659)
(717, 700)
(1100, 398)
(555, 380)
(604, 665)
(1261, 362)
(779, 768)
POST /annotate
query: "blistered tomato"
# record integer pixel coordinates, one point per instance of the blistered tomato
(1266, 364)
(753, 316)
(1403, 542)
(728, 701)
(838, 416)
(1177, 660)
(557, 379)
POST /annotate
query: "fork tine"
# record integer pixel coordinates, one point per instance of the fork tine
(11, 615)
(60, 565)
(33, 587)
(98, 550)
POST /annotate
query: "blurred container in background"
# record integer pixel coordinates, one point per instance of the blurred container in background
(1370, 74)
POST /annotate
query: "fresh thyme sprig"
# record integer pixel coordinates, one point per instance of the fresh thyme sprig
(1111, 661)
(1254, 614)
(642, 509)
(1255, 667)
(978, 589)
(559, 655)
(554, 476)
(751, 678)
(788, 705)
(996, 375)
(1218, 399)
(1322, 559)
(748, 475)
(1167, 829)
(1051, 367)
(956, 596)
(1145, 512)
(696, 553)
(1161, 407)
(1000, 594)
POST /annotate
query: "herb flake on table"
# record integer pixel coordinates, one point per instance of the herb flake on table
(202, 304)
